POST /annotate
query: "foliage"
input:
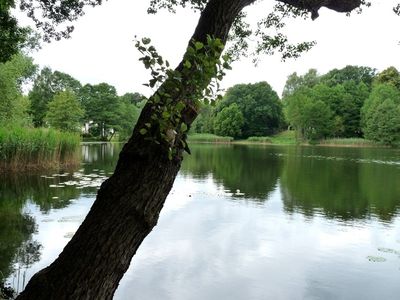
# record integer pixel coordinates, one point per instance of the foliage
(229, 121)
(128, 114)
(267, 33)
(30, 147)
(389, 76)
(46, 85)
(133, 98)
(101, 105)
(204, 123)
(295, 82)
(379, 93)
(344, 91)
(65, 112)
(312, 119)
(345, 101)
(355, 74)
(12, 75)
(12, 36)
(381, 115)
(260, 106)
(183, 89)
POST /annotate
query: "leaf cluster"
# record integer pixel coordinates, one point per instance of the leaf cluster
(181, 90)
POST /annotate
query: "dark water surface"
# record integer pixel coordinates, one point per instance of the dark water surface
(242, 222)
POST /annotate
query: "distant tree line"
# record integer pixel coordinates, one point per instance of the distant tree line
(353, 102)
(344, 103)
(60, 101)
(350, 102)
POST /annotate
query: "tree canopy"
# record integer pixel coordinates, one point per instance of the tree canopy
(259, 105)
(356, 97)
(45, 86)
(65, 112)
(13, 106)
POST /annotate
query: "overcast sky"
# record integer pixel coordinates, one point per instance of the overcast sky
(102, 50)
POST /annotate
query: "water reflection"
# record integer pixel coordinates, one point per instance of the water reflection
(17, 249)
(248, 171)
(278, 222)
(23, 193)
(341, 183)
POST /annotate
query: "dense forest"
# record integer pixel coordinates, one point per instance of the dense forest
(353, 102)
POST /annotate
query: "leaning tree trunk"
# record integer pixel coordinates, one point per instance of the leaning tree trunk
(128, 203)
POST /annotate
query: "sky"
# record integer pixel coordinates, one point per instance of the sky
(101, 48)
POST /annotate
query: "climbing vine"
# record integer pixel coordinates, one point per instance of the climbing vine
(180, 91)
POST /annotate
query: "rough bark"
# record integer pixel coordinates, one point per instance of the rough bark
(128, 203)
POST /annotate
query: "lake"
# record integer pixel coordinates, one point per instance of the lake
(241, 222)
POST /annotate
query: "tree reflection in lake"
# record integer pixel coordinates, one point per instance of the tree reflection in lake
(18, 248)
(236, 215)
(341, 183)
(251, 171)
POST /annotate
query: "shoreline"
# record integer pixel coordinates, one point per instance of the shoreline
(333, 145)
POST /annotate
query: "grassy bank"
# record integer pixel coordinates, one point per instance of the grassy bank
(208, 138)
(283, 138)
(37, 148)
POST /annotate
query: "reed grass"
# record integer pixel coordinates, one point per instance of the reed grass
(208, 138)
(37, 148)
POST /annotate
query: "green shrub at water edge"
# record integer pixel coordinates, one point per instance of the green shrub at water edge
(22, 148)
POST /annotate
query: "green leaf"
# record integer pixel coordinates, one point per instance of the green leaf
(199, 45)
(179, 106)
(143, 131)
(165, 115)
(187, 64)
(184, 127)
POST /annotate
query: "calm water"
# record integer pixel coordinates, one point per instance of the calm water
(240, 223)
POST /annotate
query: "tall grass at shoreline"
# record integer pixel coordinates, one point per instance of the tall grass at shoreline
(36, 148)
(208, 138)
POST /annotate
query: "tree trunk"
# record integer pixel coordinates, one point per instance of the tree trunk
(128, 203)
